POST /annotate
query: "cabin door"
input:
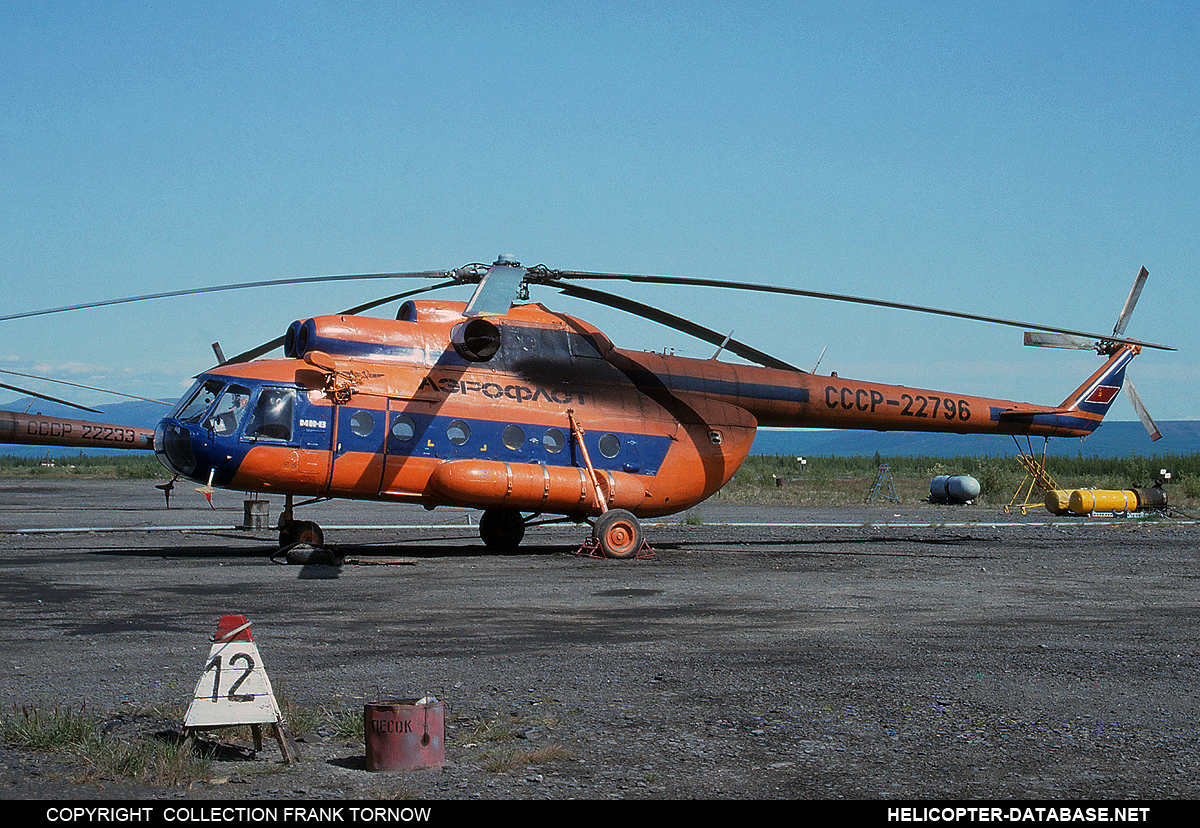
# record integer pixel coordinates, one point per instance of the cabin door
(358, 450)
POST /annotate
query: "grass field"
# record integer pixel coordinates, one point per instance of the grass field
(847, 480)
(786, 481)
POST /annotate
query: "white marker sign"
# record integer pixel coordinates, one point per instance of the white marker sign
(233, 688)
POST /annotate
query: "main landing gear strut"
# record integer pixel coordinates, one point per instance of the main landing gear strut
(616, 533)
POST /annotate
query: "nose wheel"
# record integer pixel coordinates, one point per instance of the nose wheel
(300, 531)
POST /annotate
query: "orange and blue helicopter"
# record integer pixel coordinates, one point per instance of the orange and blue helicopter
(531, 415)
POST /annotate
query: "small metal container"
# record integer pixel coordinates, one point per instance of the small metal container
(405, 734)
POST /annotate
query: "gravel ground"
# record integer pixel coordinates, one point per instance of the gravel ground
(914, 652)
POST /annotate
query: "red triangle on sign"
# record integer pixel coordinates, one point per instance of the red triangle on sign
(233, 628)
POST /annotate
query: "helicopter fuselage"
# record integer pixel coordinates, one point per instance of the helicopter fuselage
(545, 417)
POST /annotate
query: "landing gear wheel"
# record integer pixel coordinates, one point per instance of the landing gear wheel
(301, 531)
(501, 529)
(618, 534)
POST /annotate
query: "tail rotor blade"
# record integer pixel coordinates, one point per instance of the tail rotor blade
(1131, 302)
(1142, 413)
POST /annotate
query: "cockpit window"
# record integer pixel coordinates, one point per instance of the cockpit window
(274, 415)
(230, 411)
(200, 400)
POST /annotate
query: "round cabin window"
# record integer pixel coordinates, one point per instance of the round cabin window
(514, 437)
(362, 423)
(554, 440)
(404, 428)
(610, 444)
(458, 432)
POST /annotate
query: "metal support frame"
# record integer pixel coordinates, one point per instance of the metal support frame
(884, 485)
(1036, 477)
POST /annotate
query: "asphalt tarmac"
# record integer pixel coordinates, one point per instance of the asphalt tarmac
(911, 651)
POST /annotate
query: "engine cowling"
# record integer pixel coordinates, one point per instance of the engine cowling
(475, 340)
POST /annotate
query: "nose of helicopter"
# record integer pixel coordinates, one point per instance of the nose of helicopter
(173, 447)
(188, 450)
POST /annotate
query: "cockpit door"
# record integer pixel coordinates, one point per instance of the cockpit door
(294, 433)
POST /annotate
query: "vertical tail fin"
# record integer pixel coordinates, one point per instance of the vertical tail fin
(1095, 397)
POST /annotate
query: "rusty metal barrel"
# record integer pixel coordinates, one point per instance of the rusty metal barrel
(1150, 498)
(405, 734)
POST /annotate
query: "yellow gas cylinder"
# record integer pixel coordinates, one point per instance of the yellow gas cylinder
(1057, 501)
(1109, 501)
(1081, 502)
(1086, 501)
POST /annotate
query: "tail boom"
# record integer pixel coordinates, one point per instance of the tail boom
(782, 399)
(1082, 412)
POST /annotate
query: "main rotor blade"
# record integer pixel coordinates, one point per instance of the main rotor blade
(1041, 339)
(679, 324)
(267, 347)
(837, 297)
(1127, 311)
(377, 302)
(1142, 413)
(497, 290)
(48, 397)
(427, 274)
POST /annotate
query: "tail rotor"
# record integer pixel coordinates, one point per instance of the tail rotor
(1042, 339)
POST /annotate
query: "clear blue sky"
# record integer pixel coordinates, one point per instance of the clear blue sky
(1020, 160)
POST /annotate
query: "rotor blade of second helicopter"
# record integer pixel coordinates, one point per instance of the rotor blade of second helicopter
(84, 387)
(49, 398)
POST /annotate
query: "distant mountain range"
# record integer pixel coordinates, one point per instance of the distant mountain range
(1112, 439)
